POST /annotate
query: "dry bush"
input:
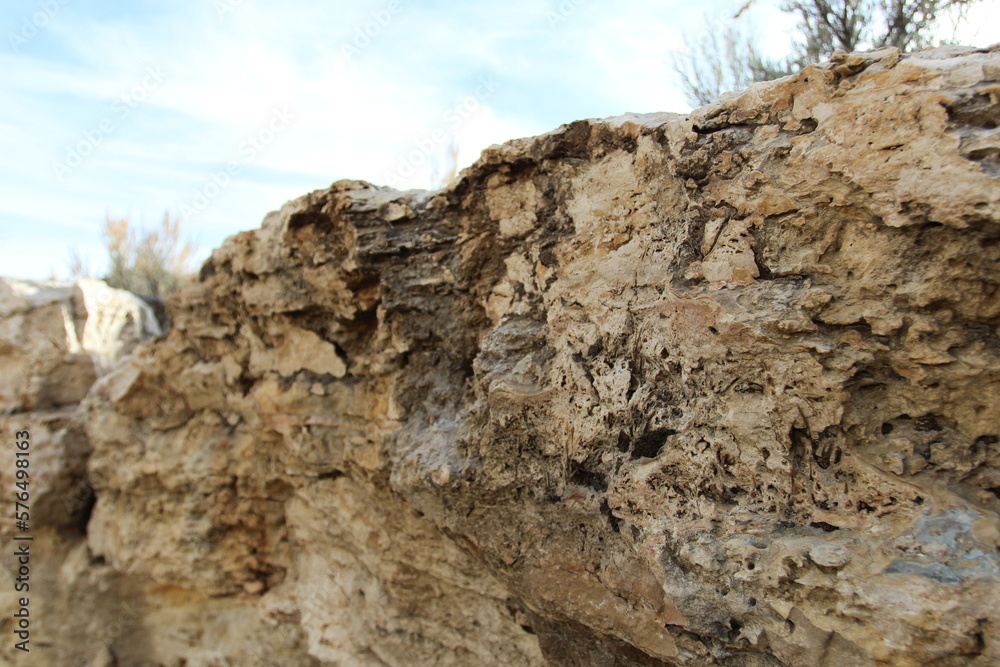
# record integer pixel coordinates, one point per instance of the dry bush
(720, 60)
(725, 59)
(149, 263)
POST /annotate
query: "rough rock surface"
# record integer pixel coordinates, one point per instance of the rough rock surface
(56, 338)
(719, 389)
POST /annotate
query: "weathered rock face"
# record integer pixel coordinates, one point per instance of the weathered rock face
(709, 390)
(56, 338)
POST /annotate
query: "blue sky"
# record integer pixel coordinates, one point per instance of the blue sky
(222, 110)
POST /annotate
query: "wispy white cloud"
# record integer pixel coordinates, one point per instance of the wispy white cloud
(355, 117)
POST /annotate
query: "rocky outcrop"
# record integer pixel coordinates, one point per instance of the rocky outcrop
(718, 389)
(56, 338)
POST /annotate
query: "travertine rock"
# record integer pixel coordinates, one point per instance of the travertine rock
(56, 338)
(710, 390)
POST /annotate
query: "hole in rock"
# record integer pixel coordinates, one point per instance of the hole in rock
(974, 111)
(826, 527)
(592, 480)
(87, 509)
(648, 445)
(927, 423)
(612, 519)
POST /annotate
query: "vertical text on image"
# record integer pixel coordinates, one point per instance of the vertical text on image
(22, 518)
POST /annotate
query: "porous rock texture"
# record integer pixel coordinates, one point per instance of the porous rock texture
(56, 339)
(718, 389)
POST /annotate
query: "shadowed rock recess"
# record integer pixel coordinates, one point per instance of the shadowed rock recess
(718, 389)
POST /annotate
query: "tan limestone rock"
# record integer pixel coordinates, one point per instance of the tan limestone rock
(718, 389)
